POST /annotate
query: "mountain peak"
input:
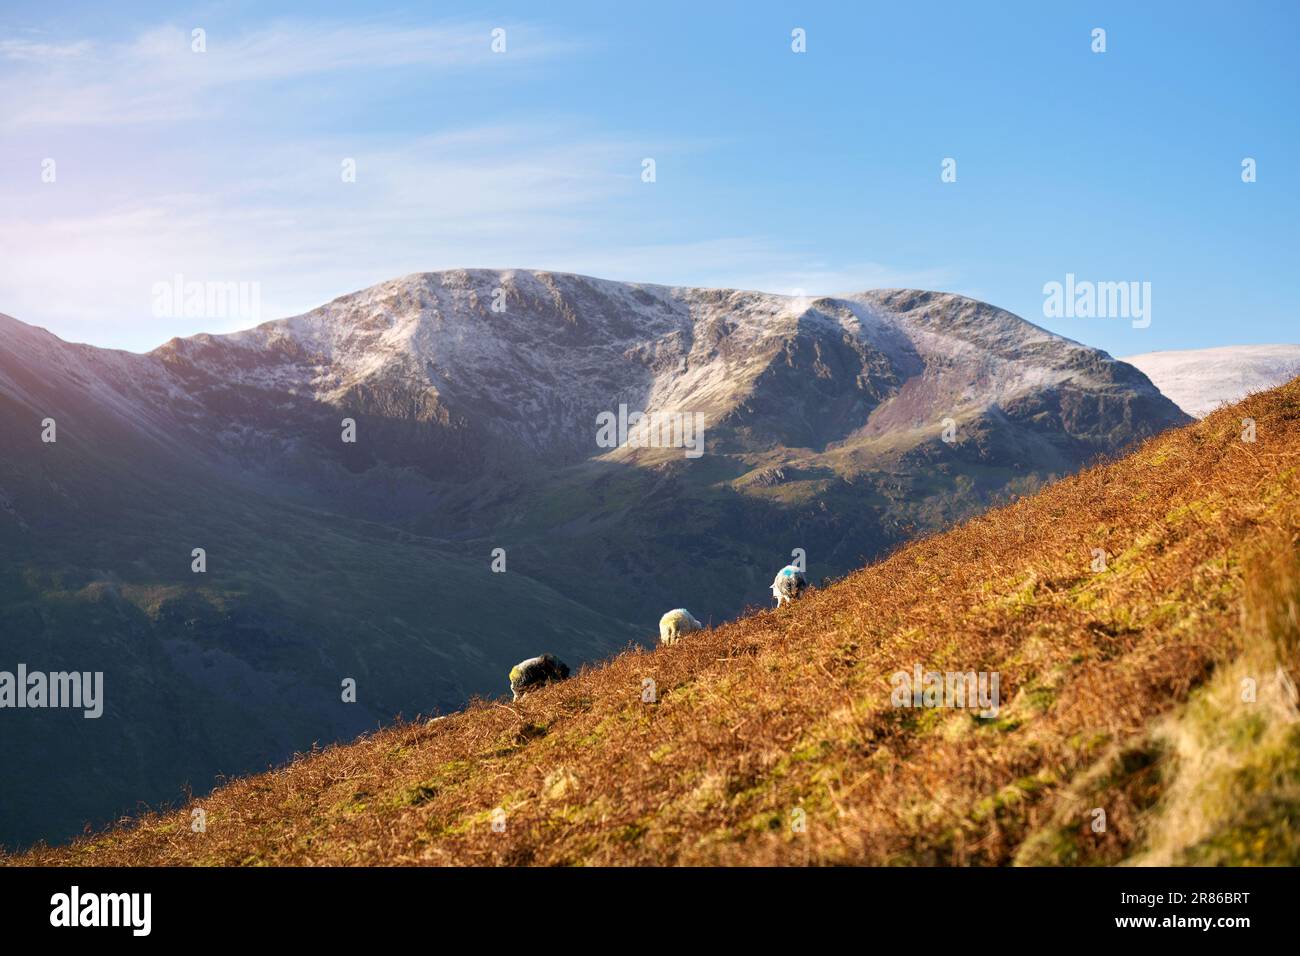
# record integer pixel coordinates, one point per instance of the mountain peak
(527, 359)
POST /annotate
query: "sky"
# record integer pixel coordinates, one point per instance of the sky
(814, 173)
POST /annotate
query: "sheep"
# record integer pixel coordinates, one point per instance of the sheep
(676, 624)
(789, 585)
(536, 672)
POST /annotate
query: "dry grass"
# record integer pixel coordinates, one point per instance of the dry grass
(791, 710)
(1234, 786)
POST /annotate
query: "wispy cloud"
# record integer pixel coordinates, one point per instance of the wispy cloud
(36, 52)
(157, 76)
(530, 196)
(206, 165)
(498, 195)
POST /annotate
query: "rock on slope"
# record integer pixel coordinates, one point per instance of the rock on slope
(1200, 380)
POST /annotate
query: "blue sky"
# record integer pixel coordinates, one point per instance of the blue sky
(816, 172)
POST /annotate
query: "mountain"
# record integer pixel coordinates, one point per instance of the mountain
(1144, 711)
(1200, 380)
(479, 401)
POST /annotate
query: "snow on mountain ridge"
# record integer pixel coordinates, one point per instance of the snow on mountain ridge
(1200, 380)
(680, 345)
(774, 370)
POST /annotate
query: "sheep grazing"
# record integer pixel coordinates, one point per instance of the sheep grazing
(789, 585)
(675, 625)
(536, 672)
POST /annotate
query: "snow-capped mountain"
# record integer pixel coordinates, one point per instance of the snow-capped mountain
(563, 348)
(477, 397)
(531, 378)
(1200, 380)
(478, 518)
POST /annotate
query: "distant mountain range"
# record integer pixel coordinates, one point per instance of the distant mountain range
(1200, 380)
(478, 400)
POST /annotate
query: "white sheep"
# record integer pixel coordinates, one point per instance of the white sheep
(676, 624)
(789, 585)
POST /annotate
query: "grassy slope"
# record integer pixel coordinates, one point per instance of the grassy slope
(233, 671)
(1121, 691)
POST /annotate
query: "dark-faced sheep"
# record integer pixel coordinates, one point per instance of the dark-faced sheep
(536, 672)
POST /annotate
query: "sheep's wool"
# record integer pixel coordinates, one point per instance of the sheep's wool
(676, 623)
(788, 583)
